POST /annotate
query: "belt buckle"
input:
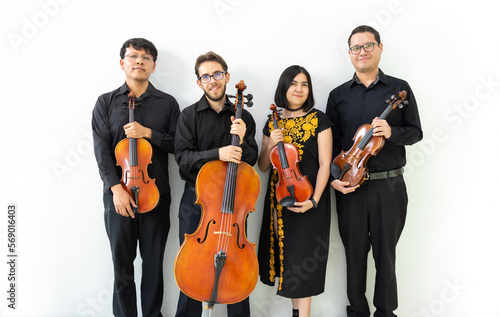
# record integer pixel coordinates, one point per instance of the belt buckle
(367, 176)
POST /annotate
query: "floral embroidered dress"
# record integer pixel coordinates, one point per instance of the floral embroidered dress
(297, 253)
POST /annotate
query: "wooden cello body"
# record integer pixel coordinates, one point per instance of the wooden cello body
(350, 166)
(134, 156)
(217, 264)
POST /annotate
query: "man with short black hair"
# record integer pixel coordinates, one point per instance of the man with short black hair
(372, 215)
(156, 115)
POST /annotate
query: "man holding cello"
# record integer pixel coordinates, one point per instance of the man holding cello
(204, 134)
(156, 115)
(372, 215)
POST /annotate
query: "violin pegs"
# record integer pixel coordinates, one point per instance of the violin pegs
(249, 97)
(249, 103)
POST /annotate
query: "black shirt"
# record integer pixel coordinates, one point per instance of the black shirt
(157, 110)
(352, 104)
(201, 131)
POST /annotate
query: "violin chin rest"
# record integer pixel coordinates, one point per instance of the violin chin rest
(288, 201)
(335, 170)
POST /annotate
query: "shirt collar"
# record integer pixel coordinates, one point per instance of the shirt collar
(150, 91)
(203, 105)
(381, 77)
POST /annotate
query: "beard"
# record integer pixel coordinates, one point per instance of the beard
(216, 97)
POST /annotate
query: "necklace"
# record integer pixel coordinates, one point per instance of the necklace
(293, 111)
(296, 109)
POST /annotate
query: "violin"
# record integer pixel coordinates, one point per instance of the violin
(350, 166)
(133, 156)
(292, 185)
(217, 264)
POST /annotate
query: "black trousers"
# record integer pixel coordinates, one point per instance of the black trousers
(189, 218)
(150, 230)
(372, 216)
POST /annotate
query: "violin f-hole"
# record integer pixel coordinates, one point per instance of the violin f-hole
(297, 177)
(144, 177)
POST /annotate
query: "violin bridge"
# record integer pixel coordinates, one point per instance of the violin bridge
(229, 234)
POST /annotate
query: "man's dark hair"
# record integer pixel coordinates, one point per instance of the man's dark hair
(209, 57)
(362, 29)
(139, 43)
(285, 82)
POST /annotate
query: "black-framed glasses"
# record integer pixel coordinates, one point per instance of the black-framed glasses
(145, 58)
(368, 47)
(206, 78)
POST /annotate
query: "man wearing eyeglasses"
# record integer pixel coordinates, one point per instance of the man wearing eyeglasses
(372, 215)
(156, 115)
(204, 133)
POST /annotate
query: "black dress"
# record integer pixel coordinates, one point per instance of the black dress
(297, 254)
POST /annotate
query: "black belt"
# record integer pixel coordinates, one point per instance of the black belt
(385, 174)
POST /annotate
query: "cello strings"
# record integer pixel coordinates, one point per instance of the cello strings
(229, 204)
(224, 208)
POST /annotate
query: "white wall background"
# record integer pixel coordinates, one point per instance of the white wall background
(58, 56)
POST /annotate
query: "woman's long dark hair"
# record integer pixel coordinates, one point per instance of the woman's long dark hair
(284, 83)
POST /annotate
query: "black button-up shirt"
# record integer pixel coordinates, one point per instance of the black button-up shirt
(201, 131)
(157, 111)
(352, 104)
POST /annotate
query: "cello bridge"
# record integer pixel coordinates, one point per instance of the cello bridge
(222, 232)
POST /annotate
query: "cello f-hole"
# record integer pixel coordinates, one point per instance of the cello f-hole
(238, 236)
(206, 232)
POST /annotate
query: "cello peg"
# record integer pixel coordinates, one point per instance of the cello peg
(249, 98)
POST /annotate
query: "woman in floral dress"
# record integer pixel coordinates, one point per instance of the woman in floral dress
(294, 241)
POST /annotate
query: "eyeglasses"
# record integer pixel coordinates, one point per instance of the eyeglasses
(206, 78)
(135, 57)
(368, 47)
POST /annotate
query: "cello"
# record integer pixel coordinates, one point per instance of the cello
(350, 166)
(292, 185)
(133, 156)
(217, 264)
